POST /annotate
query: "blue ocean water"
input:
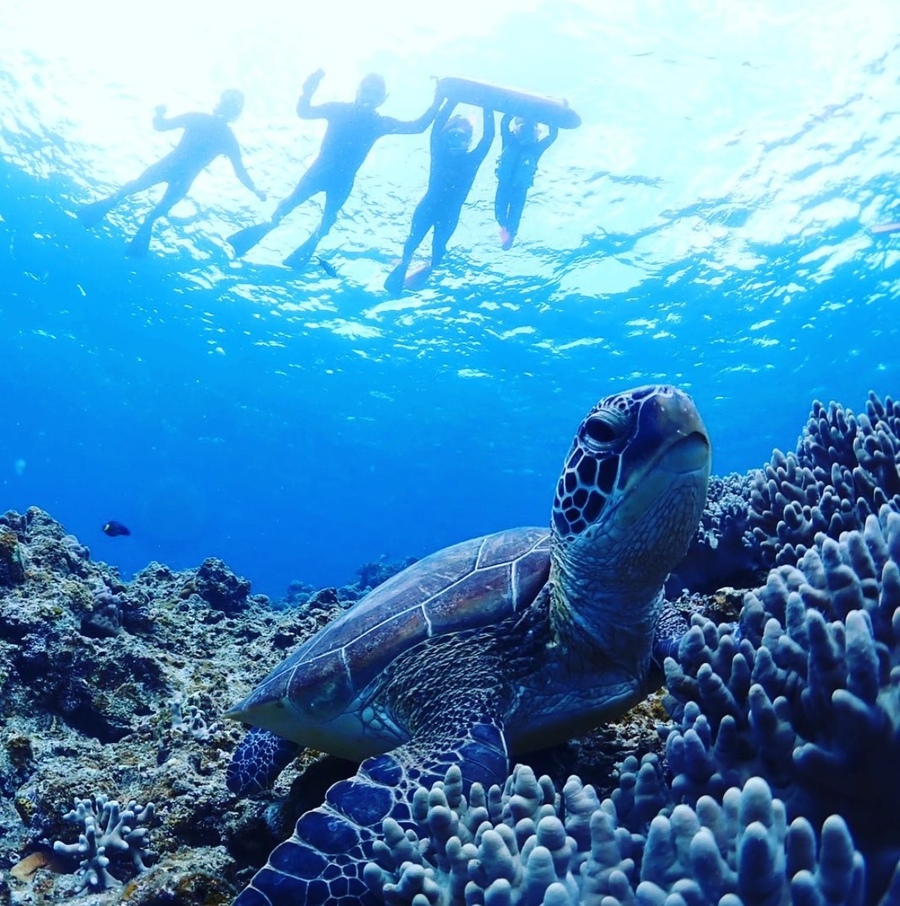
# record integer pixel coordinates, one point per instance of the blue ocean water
(709, 224)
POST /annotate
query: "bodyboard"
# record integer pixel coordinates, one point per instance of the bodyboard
(541, 109)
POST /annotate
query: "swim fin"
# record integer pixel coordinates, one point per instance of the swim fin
(140, 244)
(419, 277)
(886, 228)
(91, 214)
(394, 281)
(244, 240)
(299, 258)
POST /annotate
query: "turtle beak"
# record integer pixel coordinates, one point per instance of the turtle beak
(688, 455)
(673, 436)
(674, 452)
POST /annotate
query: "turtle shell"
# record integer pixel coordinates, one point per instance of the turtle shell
(313, 697)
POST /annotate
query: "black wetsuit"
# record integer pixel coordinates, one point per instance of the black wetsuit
(352, 130)
(205, 137)
(450, 179)
(516, 169)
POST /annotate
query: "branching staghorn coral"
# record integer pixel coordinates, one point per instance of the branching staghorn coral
(191, 722)
(108, 831)
(846, 467)
(529, 845)
(806, 693)
(723, 552)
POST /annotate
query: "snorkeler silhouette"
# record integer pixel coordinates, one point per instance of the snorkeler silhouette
(206, 136)
(451, 174)
(352, 130)
(516, 168)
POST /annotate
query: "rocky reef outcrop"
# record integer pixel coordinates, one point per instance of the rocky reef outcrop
(114, 690)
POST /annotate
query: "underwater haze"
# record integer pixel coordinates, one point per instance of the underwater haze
(709, 224)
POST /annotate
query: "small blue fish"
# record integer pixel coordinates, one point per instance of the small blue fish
(326, 266)
(113, 528)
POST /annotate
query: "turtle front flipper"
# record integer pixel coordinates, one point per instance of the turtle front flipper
(669, 630)
(323, 861)
(258, 760)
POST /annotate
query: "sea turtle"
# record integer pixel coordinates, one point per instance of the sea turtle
(497, 645)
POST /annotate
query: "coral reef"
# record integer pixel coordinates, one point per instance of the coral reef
(844, 469)
(218, 585)
(776, 783)
(12, 567)
(193, 722)
(806, 691)
(723, 551)
(528, 844)
(370, 574)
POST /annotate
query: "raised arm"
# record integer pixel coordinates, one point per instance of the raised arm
(440, 121)
(487, 135)
(162, 123)
(414, 127)
(305, 109)
(504, 126)
(548, 139)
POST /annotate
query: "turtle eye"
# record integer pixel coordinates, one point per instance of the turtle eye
(602, 430)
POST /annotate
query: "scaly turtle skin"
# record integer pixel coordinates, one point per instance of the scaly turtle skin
(500, 644)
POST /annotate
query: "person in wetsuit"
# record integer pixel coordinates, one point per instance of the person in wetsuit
(516, 167)
(352, 130)
(205, 137)
(452, 172)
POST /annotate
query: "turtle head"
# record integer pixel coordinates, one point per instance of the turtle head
(627, 504)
